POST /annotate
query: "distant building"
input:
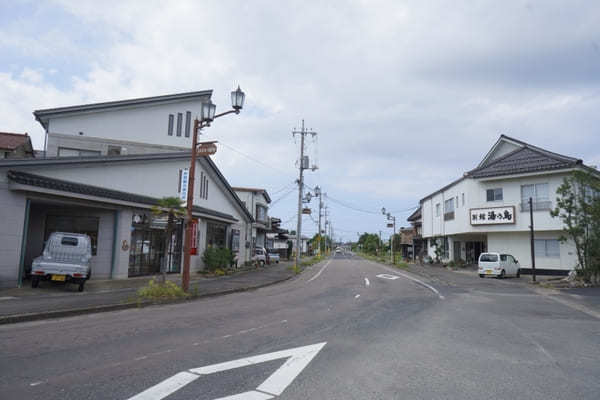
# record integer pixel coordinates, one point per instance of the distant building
(257, 202)
(15, 145)
(487, 209)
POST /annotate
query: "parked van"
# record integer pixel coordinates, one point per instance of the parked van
(498, 265)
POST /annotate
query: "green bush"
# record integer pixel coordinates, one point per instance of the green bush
(217, 258)
(161, 291)
(452, 264)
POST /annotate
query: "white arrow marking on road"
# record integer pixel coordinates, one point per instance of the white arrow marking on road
(387, 276)
(274, 385)
(367, 281)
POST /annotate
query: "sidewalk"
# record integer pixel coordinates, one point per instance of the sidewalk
(52, 300)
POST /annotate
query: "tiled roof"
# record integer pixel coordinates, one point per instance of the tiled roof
(524, 160)
(415, 216)
(10, 141)
(97, 191)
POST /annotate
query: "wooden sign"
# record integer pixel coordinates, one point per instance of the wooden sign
(206, 149)
(306, 211)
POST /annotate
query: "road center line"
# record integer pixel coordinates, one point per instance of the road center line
(357, 296)
(320, 271)
(367, 281)
(420, 282)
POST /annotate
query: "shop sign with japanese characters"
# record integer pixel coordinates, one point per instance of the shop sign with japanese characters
(492, 215)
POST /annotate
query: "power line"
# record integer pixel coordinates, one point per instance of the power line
(253, 159)
(282, 197)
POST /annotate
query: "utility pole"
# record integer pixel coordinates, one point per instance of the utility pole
(303, 165)
(532, 238)
(318, 193)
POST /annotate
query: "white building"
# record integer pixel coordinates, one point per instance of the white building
(487, 208)
(104, 183)
(257, 203)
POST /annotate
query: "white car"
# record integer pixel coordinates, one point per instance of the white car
(498, 265)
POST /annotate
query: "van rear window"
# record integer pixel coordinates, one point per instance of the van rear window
(488, 258)
(68, 241)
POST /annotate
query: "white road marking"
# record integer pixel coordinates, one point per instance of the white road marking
(166, 387)
(387, 276)
(367, 281)
(7, 298)
(36, 383)
(251, 395)
(420, 282)
(357, 296)
(320, 271)
(297, 359)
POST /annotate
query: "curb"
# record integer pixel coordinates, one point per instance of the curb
(16, 318)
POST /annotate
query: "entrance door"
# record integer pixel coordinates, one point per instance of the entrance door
(456, 251)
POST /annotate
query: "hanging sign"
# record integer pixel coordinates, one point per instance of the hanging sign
(184, 177)
(306, 211)
(492, 215)
(194, 248)
(390, 225)
(206, 149)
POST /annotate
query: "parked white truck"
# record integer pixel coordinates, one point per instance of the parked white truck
(66, 258)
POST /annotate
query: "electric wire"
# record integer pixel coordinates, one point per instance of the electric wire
(254, 159)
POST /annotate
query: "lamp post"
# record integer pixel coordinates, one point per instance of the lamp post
(207, 115)
(390, 217)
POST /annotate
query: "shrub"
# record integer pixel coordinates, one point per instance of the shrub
(217, 258)
(161, 291)
(452, 264)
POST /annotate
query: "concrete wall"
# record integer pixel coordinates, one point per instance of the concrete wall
(12, 216)
(143, 124)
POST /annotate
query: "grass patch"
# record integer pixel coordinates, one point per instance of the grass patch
(385, 260)
(155, 291)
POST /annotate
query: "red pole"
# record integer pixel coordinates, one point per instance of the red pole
(185, 277)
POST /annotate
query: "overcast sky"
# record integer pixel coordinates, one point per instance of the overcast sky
(404, 96)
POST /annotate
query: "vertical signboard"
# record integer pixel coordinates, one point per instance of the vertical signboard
(184, 175)
(194, 248)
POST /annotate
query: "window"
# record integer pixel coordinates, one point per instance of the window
(547, 248)
(494, 194)
(203, 186)
(170, 128)
(188, 121)
(261, 213)
(235, 240)
(463, 199)
(538, 193)
(114, 150)
(488, 258)
(215, 234)
(179, 121)
(437, 210)
(456, 201)
(67, 152)
(449, 209)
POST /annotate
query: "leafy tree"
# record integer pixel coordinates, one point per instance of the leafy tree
(369, 243)
(578, 207)
(169, 207)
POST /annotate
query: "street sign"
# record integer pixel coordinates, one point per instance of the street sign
(184, 175)
(390, 225)
(206, 149)
(306, 211)
(274, 385)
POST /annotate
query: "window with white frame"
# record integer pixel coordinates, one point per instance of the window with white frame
(449, 209)
(494, 194)
(547, 248)
(538, 193)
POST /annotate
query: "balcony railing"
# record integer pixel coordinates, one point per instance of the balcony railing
(449, 216)
(539, 205)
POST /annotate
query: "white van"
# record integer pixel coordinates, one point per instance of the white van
(498, 265)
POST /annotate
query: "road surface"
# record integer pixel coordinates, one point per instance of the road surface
(344, 329)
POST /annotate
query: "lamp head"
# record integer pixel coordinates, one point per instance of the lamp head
(207, 111)
(237, 99)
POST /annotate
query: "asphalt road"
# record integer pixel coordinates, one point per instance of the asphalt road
(360, 336)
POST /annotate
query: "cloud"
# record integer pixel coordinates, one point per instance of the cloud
(405, 96)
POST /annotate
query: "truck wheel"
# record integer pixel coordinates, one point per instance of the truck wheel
(481, 275)
(80, 287)
(35, 281)
(519, 273)
(502, 274)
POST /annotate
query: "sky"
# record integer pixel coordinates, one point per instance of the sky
(405, 95)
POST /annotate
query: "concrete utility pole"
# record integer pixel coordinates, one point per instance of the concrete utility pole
(532, 238)
(318, 193)
(303, 165)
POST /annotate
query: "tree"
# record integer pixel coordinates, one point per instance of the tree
(369, 242)
(169, 207)
(578, 207)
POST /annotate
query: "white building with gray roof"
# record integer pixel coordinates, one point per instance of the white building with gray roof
(487, 208)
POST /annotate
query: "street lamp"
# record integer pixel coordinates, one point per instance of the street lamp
(207, 115)
(390, 217)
